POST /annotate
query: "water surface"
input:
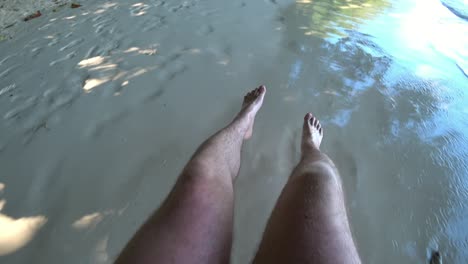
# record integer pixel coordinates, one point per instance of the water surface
(101, 107)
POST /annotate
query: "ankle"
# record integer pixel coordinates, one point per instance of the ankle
(309, 150)
(240, 124)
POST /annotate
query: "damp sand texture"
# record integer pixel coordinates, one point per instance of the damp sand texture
(102, 105)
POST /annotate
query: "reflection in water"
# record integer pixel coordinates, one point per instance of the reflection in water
(100, 254)
(458, 7)
(402, 118)
(87, 221)
(330, 19)
(387, 79)
(424, 36)
(16, 233)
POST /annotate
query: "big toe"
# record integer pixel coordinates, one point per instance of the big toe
(307, 122)
(261, 89)
(259, 92)
(255, 94)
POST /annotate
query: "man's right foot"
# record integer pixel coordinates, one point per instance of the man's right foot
(312, 133)
(253, 100)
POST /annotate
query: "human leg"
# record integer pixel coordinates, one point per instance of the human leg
(309, 223)
(194, 224)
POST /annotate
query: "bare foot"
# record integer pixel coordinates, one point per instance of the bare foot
(253, 100)
(312, 133)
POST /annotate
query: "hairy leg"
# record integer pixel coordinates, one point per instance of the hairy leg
(194, 224)
(309, 223)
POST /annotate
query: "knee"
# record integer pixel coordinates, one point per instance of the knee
(317, 171)
(315, 156)
(202, 170)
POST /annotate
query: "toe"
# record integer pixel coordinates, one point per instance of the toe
(306, 127)
(321, 131)
(256, 92)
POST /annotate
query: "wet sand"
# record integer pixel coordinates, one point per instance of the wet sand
(101, 106)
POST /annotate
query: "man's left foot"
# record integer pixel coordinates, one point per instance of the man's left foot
(252, 103)
(312, 133)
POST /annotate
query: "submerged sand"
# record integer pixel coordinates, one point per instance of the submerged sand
(102, 105)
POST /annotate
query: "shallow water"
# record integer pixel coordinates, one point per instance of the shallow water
(101, 107)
